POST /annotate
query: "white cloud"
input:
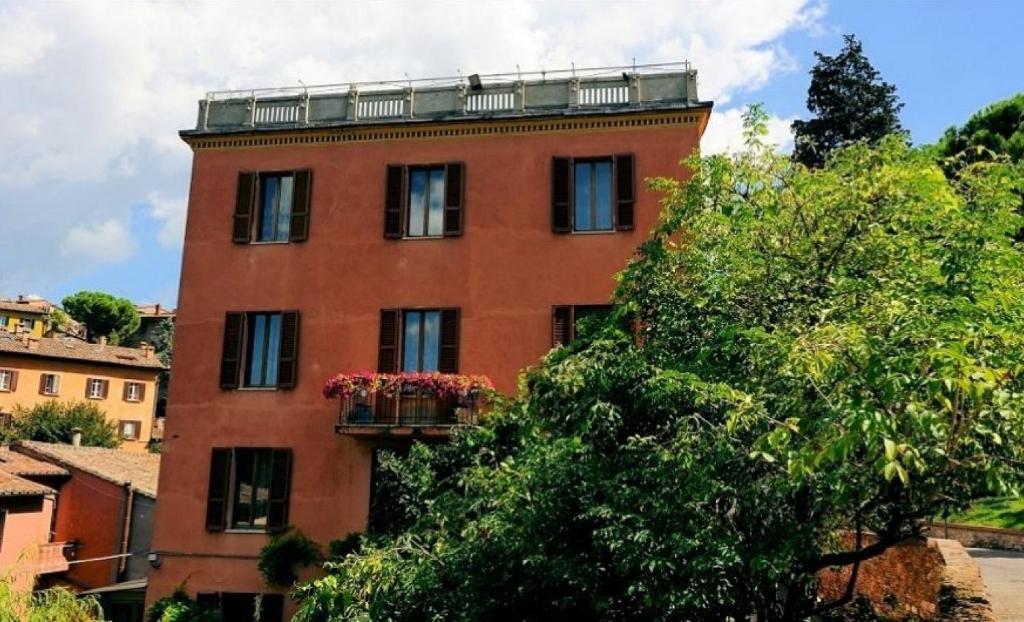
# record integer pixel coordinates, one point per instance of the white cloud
(100, 243)
(170, 212)
(102, 88)
(725, 132)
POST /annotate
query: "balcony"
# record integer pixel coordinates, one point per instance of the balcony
(406, 404)
(51, 558)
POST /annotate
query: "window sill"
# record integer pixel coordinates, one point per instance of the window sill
(424, 237)
(248, 531)
(268, 242)
(256, 389)
(598, 232)
(97, 399)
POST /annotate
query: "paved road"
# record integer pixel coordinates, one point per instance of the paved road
(1003, 573)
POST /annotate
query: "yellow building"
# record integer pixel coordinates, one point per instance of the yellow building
(24, 315)
(122, 382)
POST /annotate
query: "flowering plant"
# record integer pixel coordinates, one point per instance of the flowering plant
(432, 383)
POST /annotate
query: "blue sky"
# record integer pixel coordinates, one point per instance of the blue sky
(93, 179)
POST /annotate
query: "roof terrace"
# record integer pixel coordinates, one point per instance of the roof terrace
(597, 90)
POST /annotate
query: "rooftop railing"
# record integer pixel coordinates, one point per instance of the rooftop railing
(492, 95)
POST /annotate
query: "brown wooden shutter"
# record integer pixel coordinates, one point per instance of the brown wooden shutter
(106, 387)
(14, 380)
(42, 384)
(454, 197)
(217, 494)
(624, 192)
(245, 202)
(387, 352)
(88, 386)
(448, 358)
(142, 391)
(280, 485)
(287, 366)
(561, 195)
(231, 354)
(124, 392)
(301, 203)
(394, 201)
(561, 325)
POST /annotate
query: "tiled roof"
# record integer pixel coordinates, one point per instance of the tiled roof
(154, 310)
(141, 470)
(77, 350)
(13, 486)
(19, 464)
(39, 307)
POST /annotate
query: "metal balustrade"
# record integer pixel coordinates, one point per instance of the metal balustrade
(267, 113)
(603, 95)
(480, 102)
(408, 409)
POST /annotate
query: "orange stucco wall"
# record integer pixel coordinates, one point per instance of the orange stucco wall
(90, 510)
(505, 273)
(73, 377)
(26, 526)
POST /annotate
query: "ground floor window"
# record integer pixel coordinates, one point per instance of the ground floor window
(244, 605)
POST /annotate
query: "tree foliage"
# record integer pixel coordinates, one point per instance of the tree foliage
(104, 315)
(996, 130)
(821, 351)
(849, 101)
(178, 607)
(56, 422)
(51, 605)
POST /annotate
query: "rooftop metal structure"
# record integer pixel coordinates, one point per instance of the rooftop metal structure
(664, 86)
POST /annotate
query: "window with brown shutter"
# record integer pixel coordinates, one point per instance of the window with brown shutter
(394, 201)
(8, 380)
(448, 359)
(387, 350)
(301, 203)
(129, 430)
(231, 352)
(245, 203)
(96, 388)
(624, 192)
(287, 365)
(217, 493)
(280, 484)
(561, 195)
(454, 198)
(565, 320)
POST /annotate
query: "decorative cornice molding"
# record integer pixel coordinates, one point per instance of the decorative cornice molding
(431, 131)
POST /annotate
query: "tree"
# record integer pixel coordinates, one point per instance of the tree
(995, 130)
(104, 315)
(850, 102)
(56, 604)
(54, 422)
(820, 351)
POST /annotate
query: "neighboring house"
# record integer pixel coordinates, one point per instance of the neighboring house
(120, 381)
(27, 501)
(459, 229)
(104, 518)
(151, 316)
(24, 316)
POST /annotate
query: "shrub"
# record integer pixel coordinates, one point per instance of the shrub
(52, 605)
(178, 607)
(55, 422)
(283, 553)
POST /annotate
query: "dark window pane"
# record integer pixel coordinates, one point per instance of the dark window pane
(436, 217)
(431, 340)
(261, 489)
(275, 208)
(582, 197)
(284, 209)
(411, 341)
(263, 349)
(267, 209)
(273, 348)
(417, 203)
(242, 510)
(603, 195)
(257, 349)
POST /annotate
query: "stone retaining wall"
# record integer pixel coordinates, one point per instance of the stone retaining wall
(934, 580)
(981, 537)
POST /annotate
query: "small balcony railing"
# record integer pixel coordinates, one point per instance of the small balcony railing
(50, 558)
(371, 403)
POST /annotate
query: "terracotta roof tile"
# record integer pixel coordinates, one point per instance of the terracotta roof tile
(19, 464)
(13, 486)
(77, 350)
(141, 470)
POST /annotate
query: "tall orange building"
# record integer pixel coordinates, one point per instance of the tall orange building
(450, 226)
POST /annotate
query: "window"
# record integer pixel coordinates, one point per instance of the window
(260, 350)
(567, 320)
(272, 207)
(49, 384)
(133, 391)
(249, 489)
(419, 340)
(592, 194)
(129, 430)
(592, 200)
(243, 606)
(8, 380)
(424, 201)
(96, 388)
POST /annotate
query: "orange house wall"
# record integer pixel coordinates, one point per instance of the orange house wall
(26, 526)
(91, 511)
(505, 273)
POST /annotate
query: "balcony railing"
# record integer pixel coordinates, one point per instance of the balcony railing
(409, 409)
(51, 558)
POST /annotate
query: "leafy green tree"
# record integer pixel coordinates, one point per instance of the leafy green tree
(178, 607)
(849, 101)
(821, 351)
(104, 315)
(55, 422)
(51, 605)
(996, 130)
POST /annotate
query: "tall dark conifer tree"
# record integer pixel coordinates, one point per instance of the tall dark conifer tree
(849, 101)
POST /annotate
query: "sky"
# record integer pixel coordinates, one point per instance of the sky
(94, 179)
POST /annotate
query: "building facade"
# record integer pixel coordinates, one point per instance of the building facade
(24, 316)
(454, 229)
(122, 382)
